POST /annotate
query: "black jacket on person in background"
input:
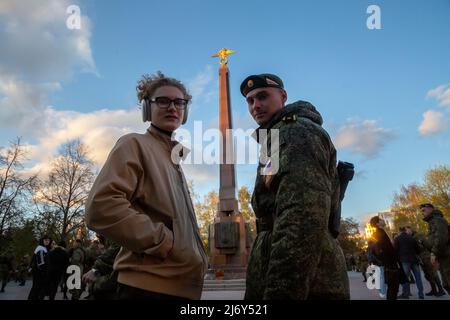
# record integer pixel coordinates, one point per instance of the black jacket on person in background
(58, 262)
(407, 248)
(383, 248)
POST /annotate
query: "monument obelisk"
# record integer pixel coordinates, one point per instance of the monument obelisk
(228, 234)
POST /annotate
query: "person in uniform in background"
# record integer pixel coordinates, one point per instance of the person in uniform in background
(437, 241)
(78, 258)
(363, 264)
(6, 264)
(22, 269)
(102, 279)
(429, 270)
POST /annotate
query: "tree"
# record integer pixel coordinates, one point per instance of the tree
(245, 201)
(14, 187)
(405, 206)
(435, 189)
(206, 213)
(61, 197)
(349, 237)
(24, 239)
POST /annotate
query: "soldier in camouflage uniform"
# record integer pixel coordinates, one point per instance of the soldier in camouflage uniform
(92, 253)
(78, 258)
(437, 241)
(102, 277)
(363, 264)
(22, 270)
(294, 255)
(6, 266)
(429, 270)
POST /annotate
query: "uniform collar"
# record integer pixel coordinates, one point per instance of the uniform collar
(295, 110)
(434, 213)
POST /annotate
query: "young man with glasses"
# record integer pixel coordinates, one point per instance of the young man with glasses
(140, 200)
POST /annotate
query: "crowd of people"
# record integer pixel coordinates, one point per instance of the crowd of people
(140, 201)
(401, 259)
(48, 267)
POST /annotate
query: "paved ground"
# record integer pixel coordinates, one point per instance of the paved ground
(358, 291)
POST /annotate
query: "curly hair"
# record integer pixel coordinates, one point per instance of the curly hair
(150, 83)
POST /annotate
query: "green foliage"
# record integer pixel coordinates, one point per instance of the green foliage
(349, 237)
(24, 240)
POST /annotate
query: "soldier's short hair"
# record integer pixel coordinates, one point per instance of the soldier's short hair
(426, 205)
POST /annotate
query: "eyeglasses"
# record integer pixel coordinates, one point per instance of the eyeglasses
(165, 102)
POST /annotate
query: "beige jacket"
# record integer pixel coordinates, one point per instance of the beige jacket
(140, 200)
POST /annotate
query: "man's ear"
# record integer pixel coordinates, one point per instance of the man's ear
(284, 96)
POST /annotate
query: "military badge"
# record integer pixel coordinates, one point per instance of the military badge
(271, 82)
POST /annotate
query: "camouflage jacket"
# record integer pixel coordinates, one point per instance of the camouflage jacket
(437, 239)
(105, 286)
(6, 261)
(104, 263)
(424, 253)
(294, 255)
(78, 258)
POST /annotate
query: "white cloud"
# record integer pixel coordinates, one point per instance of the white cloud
(22, 104)
(203, 87)
(441, 94)
(433, 123)
(99, 130)
(38, 51)
(37, 44)
(362, 137)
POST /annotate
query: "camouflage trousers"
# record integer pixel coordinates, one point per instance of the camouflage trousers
(431, 274)
(330, 280)
(444, 268)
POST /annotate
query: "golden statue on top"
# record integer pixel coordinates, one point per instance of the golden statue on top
(222, 54)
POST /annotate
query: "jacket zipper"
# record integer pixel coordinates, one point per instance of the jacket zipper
(191, 218)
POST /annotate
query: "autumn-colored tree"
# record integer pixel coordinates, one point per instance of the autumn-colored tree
(349, 237)
(245, 207)
(435, 189)
(406, 207)
(206, 212)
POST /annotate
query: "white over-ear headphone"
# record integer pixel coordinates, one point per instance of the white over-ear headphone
(147, 112)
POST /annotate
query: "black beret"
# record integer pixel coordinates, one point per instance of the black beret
(260, 81)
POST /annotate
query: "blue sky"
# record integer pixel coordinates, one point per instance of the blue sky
(384, 94)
